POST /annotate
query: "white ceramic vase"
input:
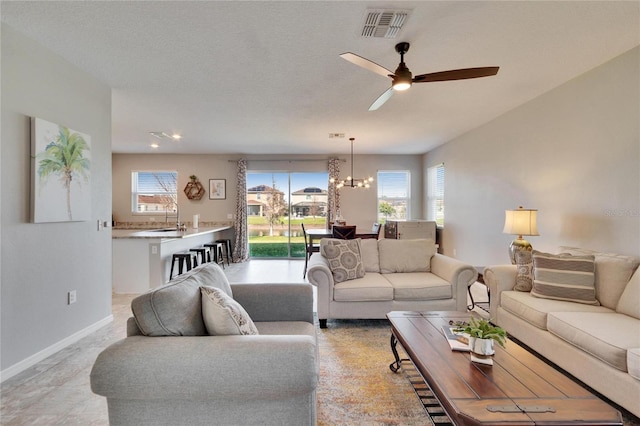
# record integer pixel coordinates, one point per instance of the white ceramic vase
(481, 346)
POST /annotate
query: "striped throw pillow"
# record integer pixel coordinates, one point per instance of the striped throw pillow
(564, 277)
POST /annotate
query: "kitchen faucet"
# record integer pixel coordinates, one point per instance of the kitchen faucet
(166, 214)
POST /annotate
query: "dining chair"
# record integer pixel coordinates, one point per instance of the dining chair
(309, 249)
(375, 232)
(344, 232)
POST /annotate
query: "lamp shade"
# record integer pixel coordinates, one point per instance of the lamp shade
(521, 222)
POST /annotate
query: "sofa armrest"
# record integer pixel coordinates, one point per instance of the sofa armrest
(319, 274)
(206, 367)
(276, 302)
(461, 275)
(498, 278)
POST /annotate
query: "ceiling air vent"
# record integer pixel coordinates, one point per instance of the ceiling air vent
(383, 23)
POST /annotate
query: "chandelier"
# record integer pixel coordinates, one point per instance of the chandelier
(350, 180)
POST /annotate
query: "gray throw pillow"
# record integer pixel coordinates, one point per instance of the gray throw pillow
(524, 277)
(345, 260)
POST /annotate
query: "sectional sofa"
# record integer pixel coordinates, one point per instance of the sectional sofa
(366, 279)
(592, 332)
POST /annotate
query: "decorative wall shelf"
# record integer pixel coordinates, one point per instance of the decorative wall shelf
(194, 189)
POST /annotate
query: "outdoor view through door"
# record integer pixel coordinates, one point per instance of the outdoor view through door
(277, 204)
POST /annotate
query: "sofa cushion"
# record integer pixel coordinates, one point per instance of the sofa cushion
(370, 256)
(564, 277)
(286, 328)
(372, 287)
(633, 363)
(223, 316)
(629, 303)
(524, 276)
(607, 336)
(344, 258)
(419, 286)
(175, 309)
(613, 271)
(534, 310)
(406, 255)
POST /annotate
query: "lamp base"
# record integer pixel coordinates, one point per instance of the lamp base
(519, 244)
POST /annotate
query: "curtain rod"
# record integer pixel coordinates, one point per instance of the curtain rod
(344, 160)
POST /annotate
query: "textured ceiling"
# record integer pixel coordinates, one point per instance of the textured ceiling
(265, 77)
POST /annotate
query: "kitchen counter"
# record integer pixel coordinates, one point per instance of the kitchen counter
(142, 257)
(165, 233)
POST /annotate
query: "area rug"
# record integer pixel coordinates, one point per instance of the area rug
(356, 385)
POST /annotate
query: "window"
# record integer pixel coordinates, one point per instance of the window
(394, 188)
(435, 194)
(154, 191)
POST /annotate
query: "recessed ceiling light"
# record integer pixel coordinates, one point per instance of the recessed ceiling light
(154, 145)
(176, 136)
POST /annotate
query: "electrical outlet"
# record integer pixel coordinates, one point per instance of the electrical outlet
(154, 249)
(99, 225)
(71, 297)
(229, 215)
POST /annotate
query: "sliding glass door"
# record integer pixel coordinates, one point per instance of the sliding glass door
(278, 203)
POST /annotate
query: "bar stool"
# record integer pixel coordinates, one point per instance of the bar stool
(184, 260)
(227, 248)
(217, 252)
(204, 254)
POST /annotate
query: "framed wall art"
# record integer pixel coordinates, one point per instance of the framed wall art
(217, 189)
(60, 173)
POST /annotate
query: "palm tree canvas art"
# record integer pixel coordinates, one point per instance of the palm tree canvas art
(61, 173)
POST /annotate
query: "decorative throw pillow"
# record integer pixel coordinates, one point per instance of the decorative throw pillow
(564, 277)
(224, 316)
(524, 277)
(345, 260)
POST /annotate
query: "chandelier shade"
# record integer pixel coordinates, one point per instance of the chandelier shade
(351, 181)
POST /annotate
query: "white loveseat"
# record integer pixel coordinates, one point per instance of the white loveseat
(398, 275)
(597, 344)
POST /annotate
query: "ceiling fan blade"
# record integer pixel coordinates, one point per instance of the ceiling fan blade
(381, 99)
(460, 74)
(366, 64)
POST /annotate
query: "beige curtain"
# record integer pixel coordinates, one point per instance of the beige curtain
(333, 193)
(241, 246)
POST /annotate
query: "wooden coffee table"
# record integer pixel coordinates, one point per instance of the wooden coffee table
(519, 389)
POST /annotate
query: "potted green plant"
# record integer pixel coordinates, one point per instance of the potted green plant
(482, 334)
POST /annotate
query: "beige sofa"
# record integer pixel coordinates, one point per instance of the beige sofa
(397, 275)
(597, 344)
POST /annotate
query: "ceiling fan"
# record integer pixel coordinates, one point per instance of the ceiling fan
(402, 78)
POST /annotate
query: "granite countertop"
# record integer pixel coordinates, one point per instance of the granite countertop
(167, 233)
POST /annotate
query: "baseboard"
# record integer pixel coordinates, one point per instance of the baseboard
(19, 367)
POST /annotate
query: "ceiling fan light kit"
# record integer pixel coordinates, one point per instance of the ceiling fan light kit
(350, 181)
(402, 78)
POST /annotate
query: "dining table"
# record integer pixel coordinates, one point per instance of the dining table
(317, 234)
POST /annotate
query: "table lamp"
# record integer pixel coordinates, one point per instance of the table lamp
(520, 222)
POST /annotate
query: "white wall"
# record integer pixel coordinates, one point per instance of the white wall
(42, 262)
(573, 154)
(359, 207)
